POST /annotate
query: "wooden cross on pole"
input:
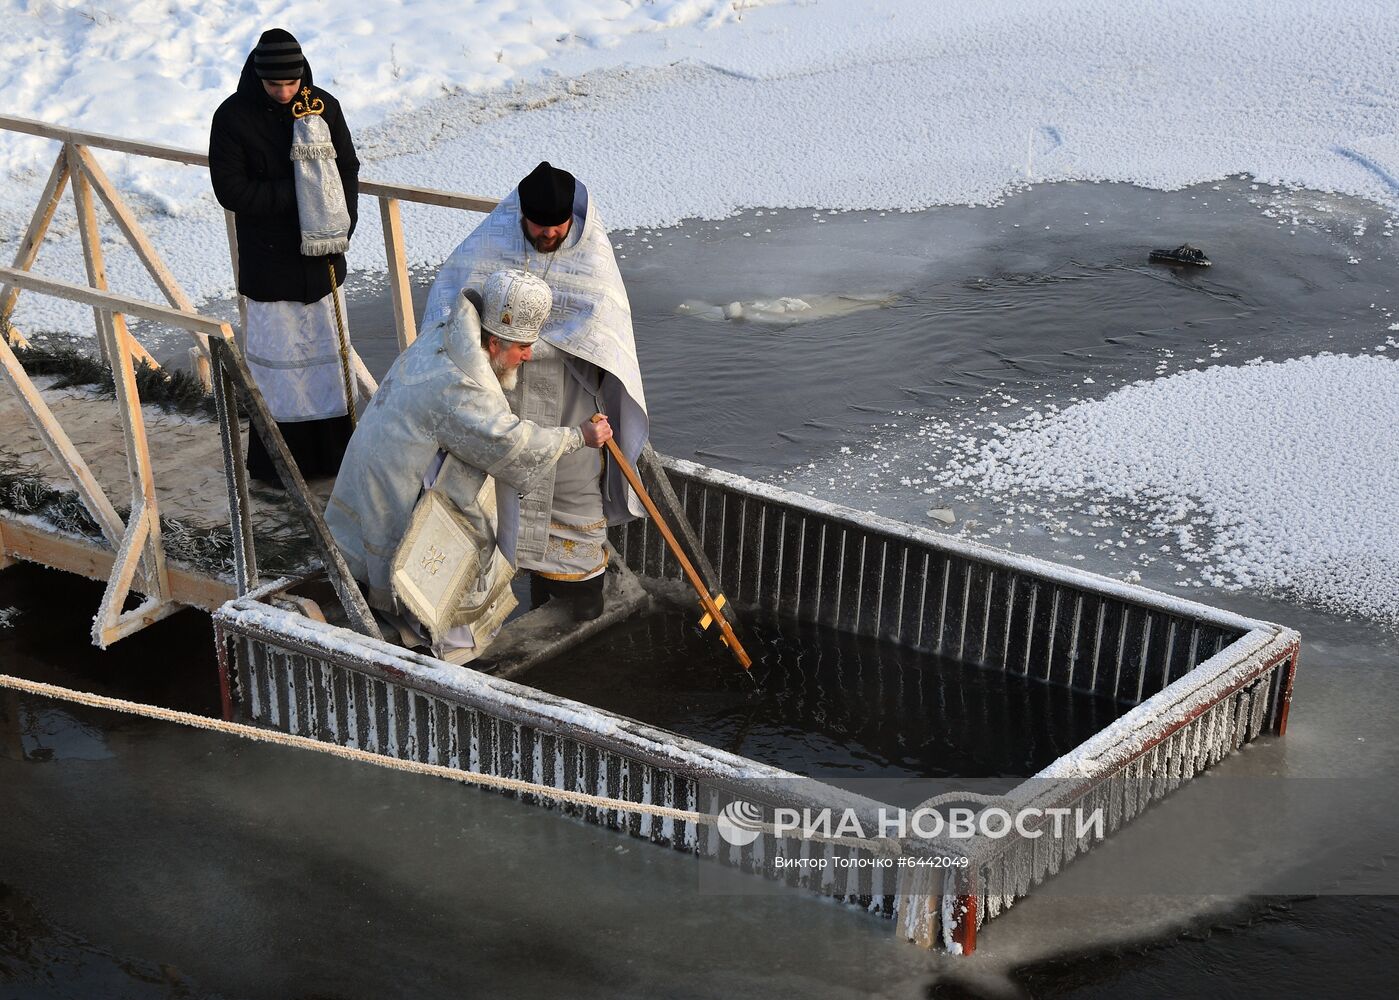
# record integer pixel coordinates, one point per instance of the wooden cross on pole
(713, 613)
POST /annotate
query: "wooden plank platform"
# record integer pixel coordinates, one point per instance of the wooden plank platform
(189, 477)
(23, 540)
(546, 632)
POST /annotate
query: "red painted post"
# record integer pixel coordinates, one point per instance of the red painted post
(964, 928)
(961, 916)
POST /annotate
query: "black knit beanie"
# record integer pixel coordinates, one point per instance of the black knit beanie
(278, 56)
(546, 195)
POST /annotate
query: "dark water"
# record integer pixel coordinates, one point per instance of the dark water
(1032, 295)
(826, 704)
(141, 860)
(1293, 947)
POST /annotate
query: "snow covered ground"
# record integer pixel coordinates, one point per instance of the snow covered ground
(682, 109)
(675, 109)
(106, 65)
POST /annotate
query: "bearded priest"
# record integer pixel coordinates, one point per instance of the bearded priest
(439, 424)
(584, 363)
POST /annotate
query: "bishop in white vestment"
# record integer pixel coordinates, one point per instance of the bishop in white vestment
(584, 363)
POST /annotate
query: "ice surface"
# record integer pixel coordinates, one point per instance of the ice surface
(1290, 466)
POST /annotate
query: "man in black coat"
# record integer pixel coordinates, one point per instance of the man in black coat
(291, 336)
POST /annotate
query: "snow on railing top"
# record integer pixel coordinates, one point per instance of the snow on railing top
(1055, 572)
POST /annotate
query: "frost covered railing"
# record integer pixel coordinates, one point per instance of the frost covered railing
(134, 555)
(1232, 698)
(292, 673)
(1202, 681)
(75, 161)
(806, 559)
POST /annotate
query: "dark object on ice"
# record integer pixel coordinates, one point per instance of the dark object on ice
(1183, 254)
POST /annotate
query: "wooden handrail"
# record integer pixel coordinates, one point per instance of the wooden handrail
(99, 140)
(428, 196)
(138, 542)
(113, 302)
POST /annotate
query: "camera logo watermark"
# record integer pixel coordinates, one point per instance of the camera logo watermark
(740, 823)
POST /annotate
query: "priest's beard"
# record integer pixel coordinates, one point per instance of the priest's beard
(543, 244)
(509, 377)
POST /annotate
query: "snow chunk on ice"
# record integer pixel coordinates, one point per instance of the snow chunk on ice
(788, 309)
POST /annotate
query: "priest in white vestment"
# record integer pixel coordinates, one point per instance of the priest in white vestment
(585, 363)
(440, 421)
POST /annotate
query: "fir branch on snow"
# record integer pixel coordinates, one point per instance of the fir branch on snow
(282, 548)
(172, 391)
(282, 545)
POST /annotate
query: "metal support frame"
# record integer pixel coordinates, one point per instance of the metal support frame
(664, 493)
(960, 915)
(1292, 656)
(1212, 677)
(221, 642)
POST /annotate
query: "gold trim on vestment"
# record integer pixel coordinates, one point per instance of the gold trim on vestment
(580, 528)
(575, 577)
